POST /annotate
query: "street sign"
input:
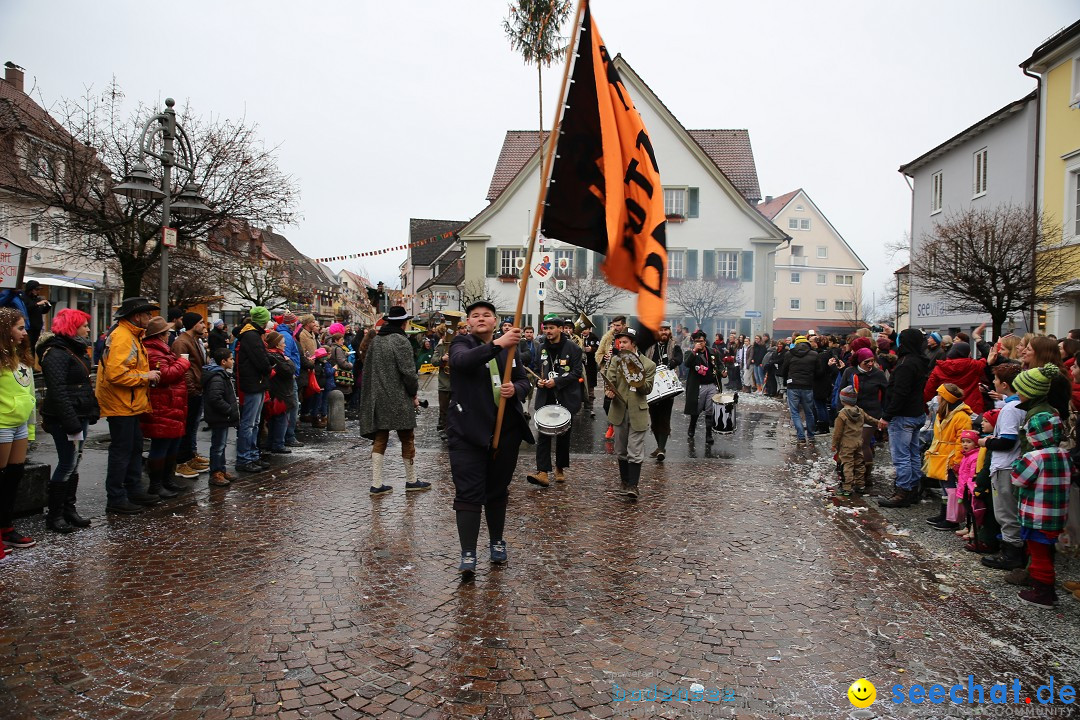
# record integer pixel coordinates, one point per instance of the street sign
(12, 264)
(168, 237)
(752, 314)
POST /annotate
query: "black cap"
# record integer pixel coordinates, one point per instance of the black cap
(480, 303)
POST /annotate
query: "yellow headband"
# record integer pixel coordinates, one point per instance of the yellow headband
(948, 396)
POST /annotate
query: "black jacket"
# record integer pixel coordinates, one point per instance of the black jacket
(908, 379)
(219, 398)
(713, 374)
(282, 384)
(252, 361)
(564, 360)
(69, 395)
(471, 417)
(800, 367)
(218, 338)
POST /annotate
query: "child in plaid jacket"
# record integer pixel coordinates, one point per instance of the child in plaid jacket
(1042, 478)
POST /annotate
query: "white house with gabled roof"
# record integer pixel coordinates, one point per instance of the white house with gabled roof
(714, 231)
(818, 274)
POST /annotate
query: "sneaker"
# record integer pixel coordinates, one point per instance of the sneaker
(218, 479)
(843, 493)
(468, 563)
(263, 463)
(539, 478)
(14, 538)
(250, 467)
(945, 525)
(654, 453)
(199, 463)
(498, 552)
(1039, 595)
(293, 443)
(381, 490)
(184, 470)
(143, 498)
(1071, 585)
(610, 432)
(660, 456)
(418, 485)
(281, 451)
(124, 507)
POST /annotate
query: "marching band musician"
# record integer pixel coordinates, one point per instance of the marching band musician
(603, 354)
(481, 480)
(704, 379)
(560, 383)
(665, 353)
(628, 377)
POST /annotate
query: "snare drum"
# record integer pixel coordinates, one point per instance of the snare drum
(665, 385)
(552, 420)
(724, 408)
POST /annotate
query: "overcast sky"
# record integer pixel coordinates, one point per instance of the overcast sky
(389, 110)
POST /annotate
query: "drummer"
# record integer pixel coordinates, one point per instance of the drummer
(703, 380)
(665, 353)
(628, 378)
(560, 384)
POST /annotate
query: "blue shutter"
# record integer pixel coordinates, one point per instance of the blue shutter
(580, 258)
(492, 262)
(598, 260)
(744, 326)
(708, 262)
(746, 264)
(692, 202)
(691, 264)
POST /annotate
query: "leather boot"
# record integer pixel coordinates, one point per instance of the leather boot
(661, 440)
(55, 520)
(1010, 558)
(155, 469)
(168, 478)
(900, 498)
(70, 513)
(633, 475)
(693, 427)
(624, 473)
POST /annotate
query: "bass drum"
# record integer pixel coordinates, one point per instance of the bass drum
(724, 412)
(552, 420)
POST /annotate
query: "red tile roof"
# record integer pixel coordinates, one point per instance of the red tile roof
(729, 150)
(774, 206)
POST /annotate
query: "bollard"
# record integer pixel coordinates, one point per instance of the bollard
(335, 411)
(33, 490)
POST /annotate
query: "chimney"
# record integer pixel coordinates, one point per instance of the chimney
(768, 198)
(13, 75)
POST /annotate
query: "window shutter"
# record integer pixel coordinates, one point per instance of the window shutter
(597, 261)
(692, 202)
(747, 265)
(691, 264)
(580, 258)
(708, 264)
(492, 262)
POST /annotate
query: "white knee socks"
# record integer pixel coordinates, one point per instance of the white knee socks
(376, 469)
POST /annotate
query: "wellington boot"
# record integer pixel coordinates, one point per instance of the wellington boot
(155, 469)
(55, 519)
(71, 514)
(1010, 558)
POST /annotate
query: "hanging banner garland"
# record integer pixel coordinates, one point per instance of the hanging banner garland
(369, 253)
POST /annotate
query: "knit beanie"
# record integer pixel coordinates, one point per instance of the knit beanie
(336, 329)
(863, 354)
(848, 396)
(1044, 430)
(1035, 383)
(219, 323)
(950, 393)
(959, 350)
(260, 316)
(936, 336)
(191, 319)
(861, 342)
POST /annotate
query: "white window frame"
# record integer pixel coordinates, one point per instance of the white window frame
(569, 271)
(936, 185)
(823, 278)
(822, 252)
(796, 277)
(1074, 99)
(727, 265)
(676, 264)
(794, 303)
(804, 223)
(840, 278)
(793, 224)
(844, 306)
(820, 305)
(978, 169)
(507, 256)
(1071, 211)
(671, 202)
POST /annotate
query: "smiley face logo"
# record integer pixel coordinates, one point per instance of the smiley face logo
(862, 693)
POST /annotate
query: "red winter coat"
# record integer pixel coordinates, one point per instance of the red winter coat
(965, 373)
(168, 400)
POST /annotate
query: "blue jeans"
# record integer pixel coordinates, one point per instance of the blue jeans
(805, 400)
(904, 448)
(68, 454)
(276, 428)
(759, 376)
(161, 448)
(124, 471)
(189, 448)
(247, 437)
(219, 437)
(821, 411)
(290, 425)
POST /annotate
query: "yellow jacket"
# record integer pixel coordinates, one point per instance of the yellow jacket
(122, 377)
(944, 453)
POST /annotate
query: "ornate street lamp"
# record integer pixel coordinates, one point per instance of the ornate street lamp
(139, 183)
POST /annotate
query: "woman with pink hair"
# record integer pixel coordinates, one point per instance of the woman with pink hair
(68, 410)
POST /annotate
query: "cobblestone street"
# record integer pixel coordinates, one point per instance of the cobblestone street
(295, 594)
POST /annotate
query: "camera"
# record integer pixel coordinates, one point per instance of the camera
(877, 328)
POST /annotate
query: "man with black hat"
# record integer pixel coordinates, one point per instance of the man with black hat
(704, 378)
(628, 378)
(667, 353)
(388, 399)
(481, 477)
(189, 345)
(560, 382)
(36, 307)
(123, 377)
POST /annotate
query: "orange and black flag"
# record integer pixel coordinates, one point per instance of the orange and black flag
(605, 192)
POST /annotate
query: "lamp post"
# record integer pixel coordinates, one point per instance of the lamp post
(139, 184)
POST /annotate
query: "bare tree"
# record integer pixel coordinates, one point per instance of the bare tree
(858, 312)
(193, 279)
(999, 261)
(706, 299)
(475, 290)
(255, 283)
(63, 171)
(586, 295)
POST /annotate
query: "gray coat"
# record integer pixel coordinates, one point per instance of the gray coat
(389, 384)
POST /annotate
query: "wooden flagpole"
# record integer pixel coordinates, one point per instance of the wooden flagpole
(545, 177)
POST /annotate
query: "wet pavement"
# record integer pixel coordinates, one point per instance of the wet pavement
(294, 594)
